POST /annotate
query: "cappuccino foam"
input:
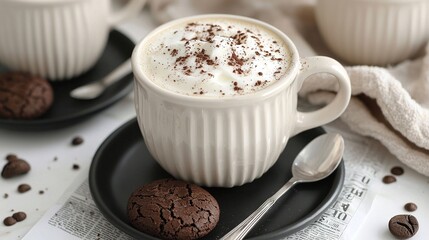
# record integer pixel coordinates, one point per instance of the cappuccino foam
(215, 57)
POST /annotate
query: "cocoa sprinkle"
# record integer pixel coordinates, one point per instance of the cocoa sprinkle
(239, 38)
(201, 58)
(236, 87)
(181, 60)
(174, 52)
(276, 59)
(234, 60)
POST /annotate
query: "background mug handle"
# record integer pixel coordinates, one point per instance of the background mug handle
(328, 113)
(130, 9)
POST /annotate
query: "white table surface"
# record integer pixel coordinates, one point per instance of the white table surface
(54, 177)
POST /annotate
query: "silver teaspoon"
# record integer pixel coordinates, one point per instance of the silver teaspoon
(95, 89)
(315, 162)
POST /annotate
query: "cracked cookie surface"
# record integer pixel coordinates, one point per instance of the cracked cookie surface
(173, 209)
(24, 96)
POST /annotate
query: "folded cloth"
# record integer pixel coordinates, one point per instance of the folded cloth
(389, 104)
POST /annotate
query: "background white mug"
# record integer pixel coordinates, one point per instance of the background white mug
(374, 32)
(232, 140)
(57, 39)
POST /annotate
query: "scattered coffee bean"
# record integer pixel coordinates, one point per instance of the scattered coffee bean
(76, 167)
(15, 168)
(19, 216)
(22, 188)
(5, 195)
(41, 192)
(389, 179)
(410, 207)
(9, 221)
(397, 171)
(403, 226)
(77, 141)
(11, 157)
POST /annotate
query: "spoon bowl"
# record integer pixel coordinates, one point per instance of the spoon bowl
(310, 167)
(315, 162)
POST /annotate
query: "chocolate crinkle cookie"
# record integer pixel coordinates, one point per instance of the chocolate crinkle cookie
(24, 96)
(173, 209)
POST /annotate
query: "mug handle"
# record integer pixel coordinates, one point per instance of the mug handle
(130, 9)
(328, 113)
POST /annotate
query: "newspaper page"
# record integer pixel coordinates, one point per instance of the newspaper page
(76, 216)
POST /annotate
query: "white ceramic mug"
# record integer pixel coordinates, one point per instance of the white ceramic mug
(232, 140)
(57, 39)
(374, 32)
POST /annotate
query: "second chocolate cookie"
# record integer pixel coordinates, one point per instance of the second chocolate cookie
(24, 96)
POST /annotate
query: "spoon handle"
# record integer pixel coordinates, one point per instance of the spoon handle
(118, 73)
(94, 89)
(241, 230)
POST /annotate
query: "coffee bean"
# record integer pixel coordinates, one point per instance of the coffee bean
(410, 207)
(11, 157)
(19, 216)
(397, 171)
(22, 188)
(77, 141)
(15, 168)
(76, 167)
(403, 226)
(9, 221)
(389, 179)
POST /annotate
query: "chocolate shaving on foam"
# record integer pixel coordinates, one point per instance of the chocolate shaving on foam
(196, 58)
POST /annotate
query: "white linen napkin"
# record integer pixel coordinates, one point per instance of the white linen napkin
(389, 104)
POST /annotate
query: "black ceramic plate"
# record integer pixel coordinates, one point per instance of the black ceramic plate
(66, 110)
(122, 163)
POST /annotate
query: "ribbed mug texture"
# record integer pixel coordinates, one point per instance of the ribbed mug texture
(374, 32)
(58, 42)
(209, 144)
